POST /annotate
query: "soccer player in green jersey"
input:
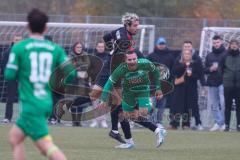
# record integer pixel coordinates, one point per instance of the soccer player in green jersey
(134, 74)
(31, 62)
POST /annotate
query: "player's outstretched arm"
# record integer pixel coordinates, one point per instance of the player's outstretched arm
(115, 76)
(156, 74)
(158, 93)
(107, 88)
(157, 82)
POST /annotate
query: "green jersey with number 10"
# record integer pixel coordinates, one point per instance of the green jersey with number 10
(32, 62)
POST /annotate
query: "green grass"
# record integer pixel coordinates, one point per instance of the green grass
(94, 144)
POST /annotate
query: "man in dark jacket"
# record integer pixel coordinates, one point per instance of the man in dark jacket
(161, 56)
(11, 85)
(231, 82)
(103, 55)
(213, 69)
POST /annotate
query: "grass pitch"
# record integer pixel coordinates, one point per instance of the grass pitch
(94, 144)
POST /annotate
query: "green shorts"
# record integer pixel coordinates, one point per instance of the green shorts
(34, 126)
(130, 100)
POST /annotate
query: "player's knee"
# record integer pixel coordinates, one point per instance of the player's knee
(121, 117)
(143, 112)
(126, 115)
(44, 144)
(13, 138)
(48, 151)
(115, 99)
(95, 94)
(43, 151)
(53, 151)
(134, 115)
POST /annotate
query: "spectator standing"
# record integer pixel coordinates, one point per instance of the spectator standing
(187, 45)
(213, 69)
(184, 100)
(82, 62)
(231, 82)
(103, 55)
(11, 85)
(161, 56)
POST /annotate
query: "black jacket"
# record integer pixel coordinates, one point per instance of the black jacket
(197, 59)
(11, 92)
(162, 57)
(4, 58)
(106, 58)
(231, 69)
(214, 79)
(103, 56)
(185, 95)
(119, 40)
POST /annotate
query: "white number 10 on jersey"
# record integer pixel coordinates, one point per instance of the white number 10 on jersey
(41, 64)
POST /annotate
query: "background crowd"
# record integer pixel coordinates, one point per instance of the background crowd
(218, 74)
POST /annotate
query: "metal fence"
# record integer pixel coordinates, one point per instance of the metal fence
(175, 30)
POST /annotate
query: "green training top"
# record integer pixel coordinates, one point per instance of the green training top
(133, 80)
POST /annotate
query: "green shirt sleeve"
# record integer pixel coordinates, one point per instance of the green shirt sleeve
(156, 73)
(12, 66)
(114, 78)
(107, 88)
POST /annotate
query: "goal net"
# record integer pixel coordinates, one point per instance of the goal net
(66, 34)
